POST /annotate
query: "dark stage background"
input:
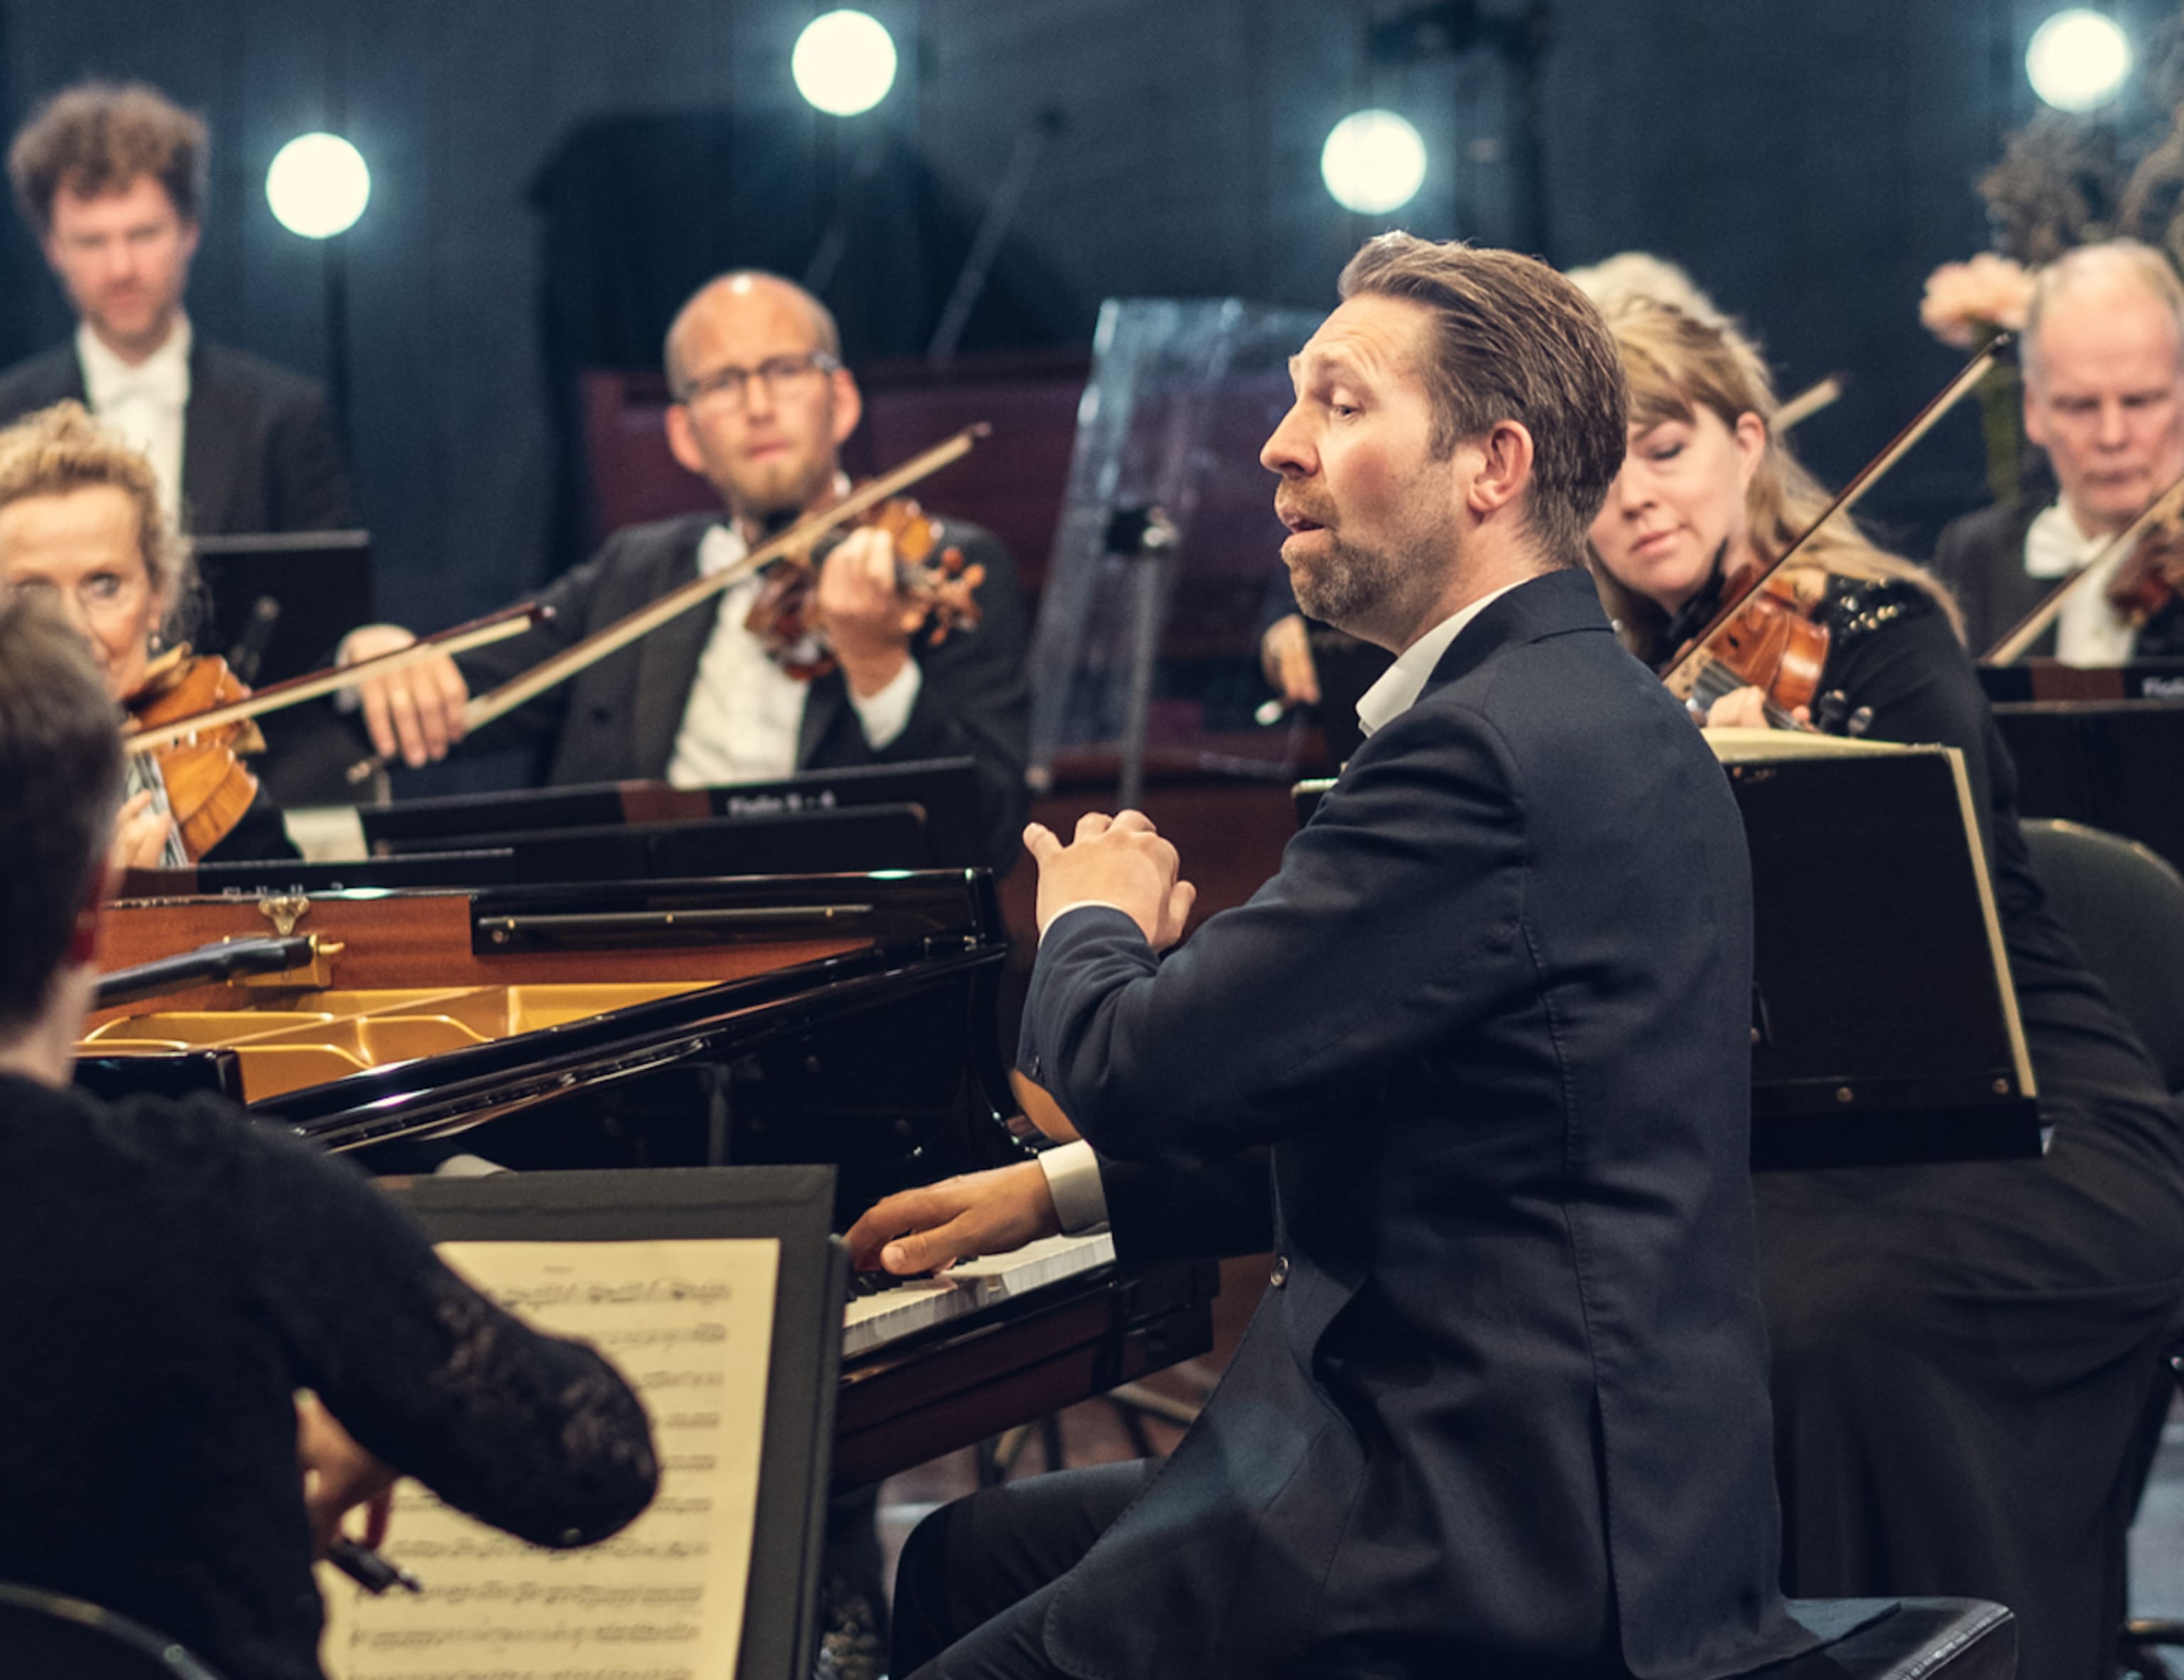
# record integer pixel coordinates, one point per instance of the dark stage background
(551, 176)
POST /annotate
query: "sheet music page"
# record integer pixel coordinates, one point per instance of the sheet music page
(689, 1323)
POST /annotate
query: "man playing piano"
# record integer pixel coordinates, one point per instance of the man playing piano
(2103, 358)
(1503, 1409)
(172, 1274)
(762, 404)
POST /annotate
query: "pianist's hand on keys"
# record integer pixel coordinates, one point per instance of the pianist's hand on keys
(923, 1230)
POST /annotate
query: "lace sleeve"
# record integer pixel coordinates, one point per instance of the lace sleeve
(533, 1434)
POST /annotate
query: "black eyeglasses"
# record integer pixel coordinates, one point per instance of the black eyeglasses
(727, 388)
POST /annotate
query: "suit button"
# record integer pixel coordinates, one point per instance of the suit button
(1280, 1274)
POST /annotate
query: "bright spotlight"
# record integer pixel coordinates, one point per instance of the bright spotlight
(2078, 60)
(843, 63)
(1374, 162)
(318, 185)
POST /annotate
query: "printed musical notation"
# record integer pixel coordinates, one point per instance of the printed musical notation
(690, 1323)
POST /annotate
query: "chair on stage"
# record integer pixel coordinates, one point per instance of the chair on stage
(2123, 904)
(48, 1636)
(1903, 1639)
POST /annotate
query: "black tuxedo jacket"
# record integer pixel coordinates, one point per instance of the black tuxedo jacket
(258, 443)
(1981, 558)
(618, 721)
(1505, 1409)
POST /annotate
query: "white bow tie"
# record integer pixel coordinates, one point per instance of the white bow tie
(165, 380)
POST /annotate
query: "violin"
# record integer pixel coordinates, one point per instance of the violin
(2153, 576)
(1771, 642)
(208, 788)
(2140, 587)
(927, 575)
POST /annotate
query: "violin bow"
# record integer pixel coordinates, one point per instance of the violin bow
(1683, 673)
(484, 708)
(495, 626)
(2011, 647)
(1796, 410)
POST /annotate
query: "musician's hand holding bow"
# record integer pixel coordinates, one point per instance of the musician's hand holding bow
(417, 711)
(859, 604)
(988, 1212)
(1117, 861)
(1746, 708)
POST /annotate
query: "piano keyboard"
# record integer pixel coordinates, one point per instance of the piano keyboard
(902, 1307)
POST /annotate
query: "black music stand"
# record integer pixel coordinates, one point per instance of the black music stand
(276, 606)
(791, 1205)
(941, 793)
(1885, 1023)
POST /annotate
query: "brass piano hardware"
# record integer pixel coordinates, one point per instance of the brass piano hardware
(317, 973)
(284, 912)
(501, 929)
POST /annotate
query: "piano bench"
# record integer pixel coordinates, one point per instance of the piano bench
(1916, 1639)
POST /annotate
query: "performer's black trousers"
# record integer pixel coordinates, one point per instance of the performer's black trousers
(977, 1576)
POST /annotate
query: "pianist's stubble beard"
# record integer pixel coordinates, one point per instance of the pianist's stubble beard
(1374, 590)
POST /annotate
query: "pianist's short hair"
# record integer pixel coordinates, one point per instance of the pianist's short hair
(1511, 339)
(98, 136)
(62, 448)
(60, 760)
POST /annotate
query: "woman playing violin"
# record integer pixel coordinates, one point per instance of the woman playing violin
(1963, 1353)
(80, 525)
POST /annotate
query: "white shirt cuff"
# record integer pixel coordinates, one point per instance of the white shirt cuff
(1072, 1180)
(886, 714)
(1081, 904)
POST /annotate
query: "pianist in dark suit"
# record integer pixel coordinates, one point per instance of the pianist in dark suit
(111, 181)
(175, 1273)
(1503, 1411)
(762, 405)
(2103, 359)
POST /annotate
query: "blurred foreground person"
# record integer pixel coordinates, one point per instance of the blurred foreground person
(173, 1276)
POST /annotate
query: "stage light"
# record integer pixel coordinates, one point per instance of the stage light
(1374, 162)
(2078, 60)
(843, 63)
(318, 185)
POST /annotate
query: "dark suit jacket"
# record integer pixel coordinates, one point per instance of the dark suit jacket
(617, 720)
(258, 443)
(1505, 1410)
(1981, 558)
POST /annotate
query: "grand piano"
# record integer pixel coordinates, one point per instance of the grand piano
(840, 1018)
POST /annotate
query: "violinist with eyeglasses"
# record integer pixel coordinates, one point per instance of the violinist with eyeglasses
(1962, 1352)
(80, 528)
(752, 686)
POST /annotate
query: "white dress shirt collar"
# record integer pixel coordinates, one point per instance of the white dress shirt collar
(143, 404)
(1402, 683)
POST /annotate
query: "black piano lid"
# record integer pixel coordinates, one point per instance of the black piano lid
(433, 1095)
(925, 927)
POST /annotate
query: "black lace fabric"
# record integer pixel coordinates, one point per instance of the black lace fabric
(170, 1275)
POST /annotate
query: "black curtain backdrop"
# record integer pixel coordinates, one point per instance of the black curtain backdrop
(550, 177)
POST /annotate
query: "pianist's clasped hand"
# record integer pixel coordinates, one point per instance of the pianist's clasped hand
(1119, 862)
(923, 1230)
